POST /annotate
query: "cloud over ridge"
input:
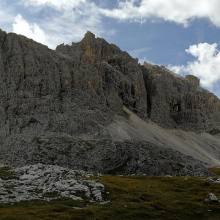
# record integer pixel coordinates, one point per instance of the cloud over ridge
(68, 22)
(206, 64)
(74, 17)
(33, 31)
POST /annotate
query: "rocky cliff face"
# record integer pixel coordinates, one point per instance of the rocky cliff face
(178, 102)
(119, 78)
(78, 90)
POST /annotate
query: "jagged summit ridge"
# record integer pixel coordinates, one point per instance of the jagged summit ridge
(192, 115)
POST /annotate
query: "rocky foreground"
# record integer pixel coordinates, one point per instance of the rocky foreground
(131, 198)
(47, 182)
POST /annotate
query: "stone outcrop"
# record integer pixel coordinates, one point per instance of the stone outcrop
(193, 80)
(78, 90)
(47, 182)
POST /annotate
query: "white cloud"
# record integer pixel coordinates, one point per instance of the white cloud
(206, 66)
(70, 25)
(6, 15)
(139, 51)
(67, 20)
(33, 31)
(70, 21)
(58, 4)
(179, 11)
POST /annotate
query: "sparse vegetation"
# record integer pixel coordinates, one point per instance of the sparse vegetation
(215, 170)
(132, 198)
(6, 173)
(51, 194)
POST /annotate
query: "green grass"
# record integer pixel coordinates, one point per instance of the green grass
(215, 170)
(132, 198)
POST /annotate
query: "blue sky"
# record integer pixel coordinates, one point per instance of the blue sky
(182, 35)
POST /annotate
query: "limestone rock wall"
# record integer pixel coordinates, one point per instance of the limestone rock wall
(120, 76)
(77, 90)
(178, 102)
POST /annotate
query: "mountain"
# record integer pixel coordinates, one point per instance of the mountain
(91, 106)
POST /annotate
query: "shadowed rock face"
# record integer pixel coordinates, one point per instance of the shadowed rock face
(78, 90)
(178, 102)
(43, 91)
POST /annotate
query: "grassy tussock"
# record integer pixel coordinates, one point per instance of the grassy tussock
(215, 170)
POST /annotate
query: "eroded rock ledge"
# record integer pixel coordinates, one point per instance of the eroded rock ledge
(106, 157)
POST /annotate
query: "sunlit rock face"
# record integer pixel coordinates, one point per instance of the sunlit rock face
(115, 75)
